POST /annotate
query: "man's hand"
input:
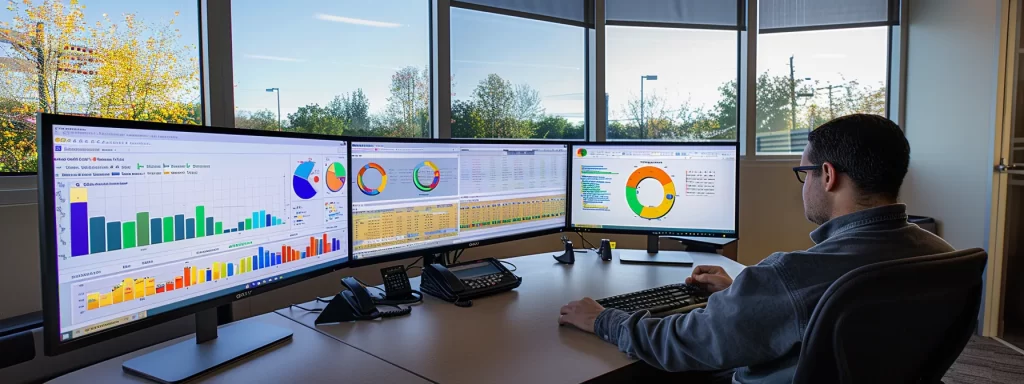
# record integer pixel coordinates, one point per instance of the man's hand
(710, 277)
(582, 314)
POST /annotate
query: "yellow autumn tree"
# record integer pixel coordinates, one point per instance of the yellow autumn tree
(144, 74)
(52, 61)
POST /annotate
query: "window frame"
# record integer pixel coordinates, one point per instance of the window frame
(587, 26)
(217, 93)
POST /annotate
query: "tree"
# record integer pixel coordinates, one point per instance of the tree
(354, 109)
(46, 42)
(141, 78)
(466, 120)
(555, 127)
(527, 103)
(263, 120)
(52, 61)
(773, 103)
(408, 110)
(654, 110)
(726, 110)
(497, 103)
(315, 119)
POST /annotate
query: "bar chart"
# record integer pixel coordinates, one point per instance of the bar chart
(109, 226)
(163, 280)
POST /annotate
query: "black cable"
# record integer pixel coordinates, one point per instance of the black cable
(585, 241)
(458, 254)
(323, 300)
(413, 263)
(307, 309)
(514, 267)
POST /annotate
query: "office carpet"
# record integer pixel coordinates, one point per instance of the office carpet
(986, 361)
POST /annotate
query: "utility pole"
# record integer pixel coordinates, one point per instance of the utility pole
(792, 94)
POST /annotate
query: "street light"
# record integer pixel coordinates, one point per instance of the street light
(643, 127)
(278, 91)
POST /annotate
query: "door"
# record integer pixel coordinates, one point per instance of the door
(1004, 295)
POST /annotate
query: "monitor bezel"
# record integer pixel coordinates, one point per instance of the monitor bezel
(736, 220)
(390, 257)
(52, 345)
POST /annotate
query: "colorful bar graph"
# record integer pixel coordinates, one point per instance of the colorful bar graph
(90, 235)
(136, 288)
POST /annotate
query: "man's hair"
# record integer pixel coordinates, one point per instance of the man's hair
(871, 149)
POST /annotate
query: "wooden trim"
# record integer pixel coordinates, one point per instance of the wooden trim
(1005, 86)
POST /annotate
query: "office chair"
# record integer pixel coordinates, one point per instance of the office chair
(898, 321)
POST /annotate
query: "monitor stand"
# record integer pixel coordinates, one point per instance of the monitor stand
(211, 348)
(655, 256)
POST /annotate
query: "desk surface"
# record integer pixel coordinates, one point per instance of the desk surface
(309, 357)
(512, 337)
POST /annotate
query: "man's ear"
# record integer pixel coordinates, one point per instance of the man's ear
(829, 176)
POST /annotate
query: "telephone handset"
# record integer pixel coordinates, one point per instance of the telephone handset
(458, 283)
(355, 303)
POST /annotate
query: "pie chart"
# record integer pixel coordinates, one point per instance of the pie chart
(668, 199)
(301, 183)
(335, 177)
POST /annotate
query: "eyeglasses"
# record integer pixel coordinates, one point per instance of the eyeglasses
(801, 172)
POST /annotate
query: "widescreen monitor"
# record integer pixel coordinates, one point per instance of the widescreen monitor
(681, 189)
(145, 222)
(412, 197)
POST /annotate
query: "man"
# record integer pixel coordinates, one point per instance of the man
(851, 171)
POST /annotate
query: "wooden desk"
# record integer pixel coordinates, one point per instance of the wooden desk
(511, 337)
(309, 357)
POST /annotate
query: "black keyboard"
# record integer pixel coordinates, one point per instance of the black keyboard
(660, 301)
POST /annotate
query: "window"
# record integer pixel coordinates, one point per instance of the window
(120, 59)
(517, 78)
(834, 73)
(671, 84)
(817, 61)
(357, 68)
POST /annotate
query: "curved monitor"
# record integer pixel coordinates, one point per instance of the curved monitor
(412, 197)
(681, 189)
(145, 222)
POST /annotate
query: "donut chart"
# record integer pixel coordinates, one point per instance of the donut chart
(383, 179)
(301, 183)
(416, 176)
(668, 199)
(335, 177)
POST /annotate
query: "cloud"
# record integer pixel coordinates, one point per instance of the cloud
(349, 20)
(274, 58)
(829, 56)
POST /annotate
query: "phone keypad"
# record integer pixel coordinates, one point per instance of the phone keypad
(481, 282)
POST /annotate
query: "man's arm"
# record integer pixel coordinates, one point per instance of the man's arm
(752, 321)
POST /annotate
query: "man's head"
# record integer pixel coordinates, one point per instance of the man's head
(859, 162)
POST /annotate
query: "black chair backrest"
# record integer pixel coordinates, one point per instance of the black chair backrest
(898, 321)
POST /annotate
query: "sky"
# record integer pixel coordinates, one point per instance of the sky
(314, 50)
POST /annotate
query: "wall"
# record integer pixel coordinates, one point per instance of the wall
(951, 83)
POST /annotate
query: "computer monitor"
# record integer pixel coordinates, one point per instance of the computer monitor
(415, 197)
(144, 222)
(678, 189)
